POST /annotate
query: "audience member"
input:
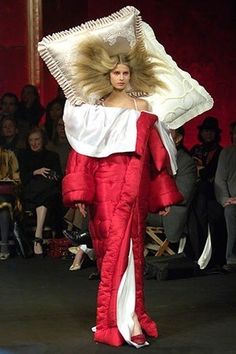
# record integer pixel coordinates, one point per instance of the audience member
(40, 174)
(174, 223)
(9, 178)
(54, 111)
(80, 253)
(9, 138)
(31, 110)
(207, 217)
(60, 94)
(59, 143)
(9, 105)
(225, 188)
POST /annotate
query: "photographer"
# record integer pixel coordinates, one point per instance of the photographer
(41, 176)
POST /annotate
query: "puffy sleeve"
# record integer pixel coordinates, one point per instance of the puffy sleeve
(78, 183)
(163, 189)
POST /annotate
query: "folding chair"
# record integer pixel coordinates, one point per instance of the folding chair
(158, 243)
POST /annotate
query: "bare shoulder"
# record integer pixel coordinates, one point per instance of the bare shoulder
(142, 104)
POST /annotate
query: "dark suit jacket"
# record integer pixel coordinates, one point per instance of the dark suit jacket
(186, 178)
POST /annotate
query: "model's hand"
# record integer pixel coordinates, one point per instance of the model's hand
(164, 211)
(42, 171)
(82, 208)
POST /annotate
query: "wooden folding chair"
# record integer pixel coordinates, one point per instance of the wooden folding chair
(158, 243)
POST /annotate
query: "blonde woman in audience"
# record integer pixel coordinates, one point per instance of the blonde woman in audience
(9, 180)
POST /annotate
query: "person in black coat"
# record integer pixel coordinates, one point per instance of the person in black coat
(40, 174)
(207, 216)
(31, 110)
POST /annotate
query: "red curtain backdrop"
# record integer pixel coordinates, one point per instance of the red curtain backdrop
(13, 46)
(199, 35)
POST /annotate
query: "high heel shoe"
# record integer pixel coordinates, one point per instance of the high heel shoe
(139, 339)
(77, 266)
(73, 249)
(38, 241)
(78, 260)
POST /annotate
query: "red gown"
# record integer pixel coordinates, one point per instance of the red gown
(120, 190)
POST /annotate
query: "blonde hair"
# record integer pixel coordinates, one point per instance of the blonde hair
(91, 72)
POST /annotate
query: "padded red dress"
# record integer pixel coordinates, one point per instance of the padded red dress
(120, 189)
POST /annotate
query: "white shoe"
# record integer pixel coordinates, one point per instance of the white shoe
(73, 250)
(4, 256)
(77, 266)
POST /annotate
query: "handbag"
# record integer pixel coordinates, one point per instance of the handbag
(58, 247)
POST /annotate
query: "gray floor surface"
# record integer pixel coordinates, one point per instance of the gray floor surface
(46, 309)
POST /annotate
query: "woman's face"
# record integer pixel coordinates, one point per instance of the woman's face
(61, 129)
(28, 95)
(9, 105)
(120, 77)
(56, 111)
(36, 142)
(9, 129)
(208, 135)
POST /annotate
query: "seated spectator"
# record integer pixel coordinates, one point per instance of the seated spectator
(54, 111)
(60, 94)
(40, 174)
(9, 105)
(61, 146)
(30, 110)
(9, 178)
(9, 138)
(225, 188)
(207, 217)
(80, 253)
(82, 240)
(10, 108)
(59, 143)
(174, 223)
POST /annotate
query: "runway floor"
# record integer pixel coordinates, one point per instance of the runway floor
(45, 309)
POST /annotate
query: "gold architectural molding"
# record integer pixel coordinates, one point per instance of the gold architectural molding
(34, 18)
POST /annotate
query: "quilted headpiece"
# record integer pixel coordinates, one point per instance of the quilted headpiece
(183, 98)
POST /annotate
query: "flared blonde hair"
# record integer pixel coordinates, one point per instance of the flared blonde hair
(91, 71)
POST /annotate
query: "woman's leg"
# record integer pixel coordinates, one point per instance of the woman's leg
(41, 213)
(4, 229)
(137, 328)
(78, 260)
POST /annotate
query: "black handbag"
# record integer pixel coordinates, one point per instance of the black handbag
(79, 237)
